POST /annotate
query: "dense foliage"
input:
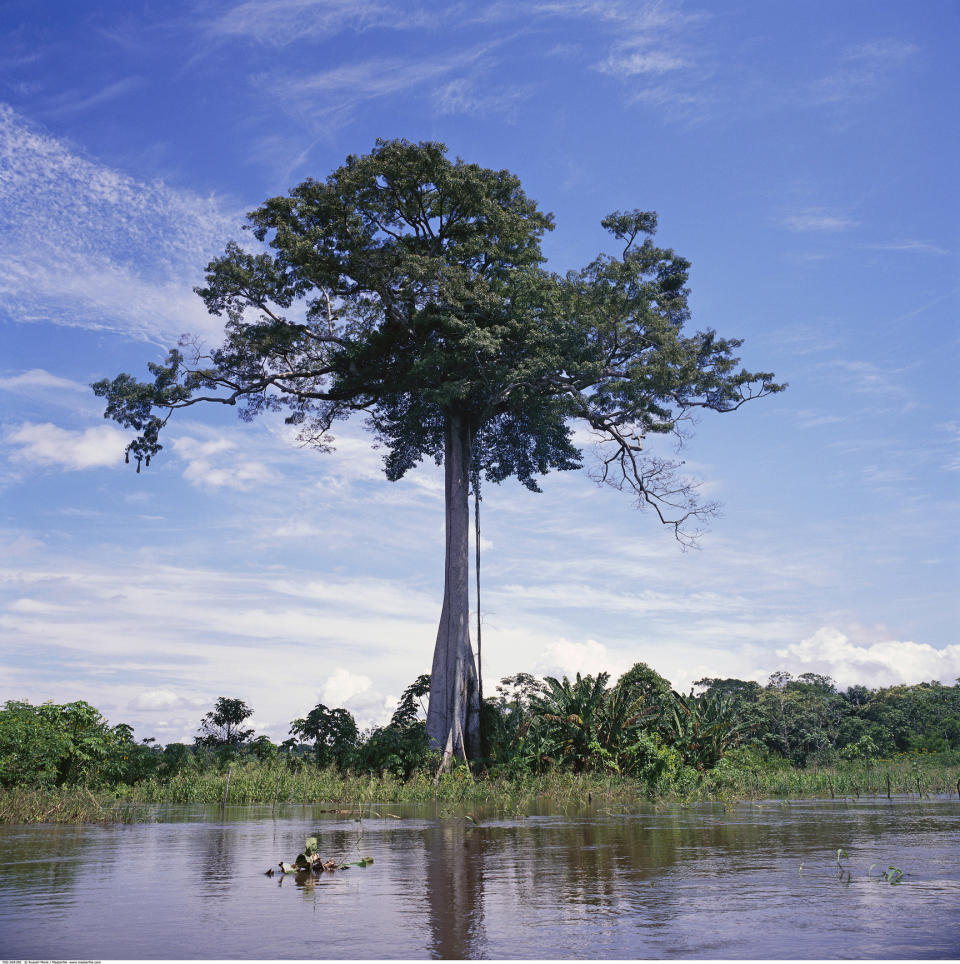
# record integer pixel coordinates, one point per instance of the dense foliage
(637, 728)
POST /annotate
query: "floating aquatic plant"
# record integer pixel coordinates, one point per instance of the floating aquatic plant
(310, 862)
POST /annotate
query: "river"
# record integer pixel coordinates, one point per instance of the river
(749, 881)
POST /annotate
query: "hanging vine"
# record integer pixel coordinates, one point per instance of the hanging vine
(475, 480)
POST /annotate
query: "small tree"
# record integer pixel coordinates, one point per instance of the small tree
(223, 725)
(411, 288)
(651, 694)
(58, 744)
(410, 708)
(333, 733)
(400, 747)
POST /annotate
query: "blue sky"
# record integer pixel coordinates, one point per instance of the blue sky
(802, 156)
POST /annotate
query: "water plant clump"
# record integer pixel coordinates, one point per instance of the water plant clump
(310, 862)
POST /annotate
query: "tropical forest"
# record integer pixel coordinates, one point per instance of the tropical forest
(568, 741)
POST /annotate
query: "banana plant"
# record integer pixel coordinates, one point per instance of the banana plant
(574, 715)
(702, 729)
(625, 714)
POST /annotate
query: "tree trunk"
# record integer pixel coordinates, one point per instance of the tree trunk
(453, 717)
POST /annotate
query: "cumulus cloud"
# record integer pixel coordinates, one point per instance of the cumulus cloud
(355, 692)
(159, 699)
(47, 444)
(344, 685)
(215, 463)
(566, 658)
(38, 379)
(833, 653)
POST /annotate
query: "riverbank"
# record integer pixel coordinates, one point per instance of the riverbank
(251, 782)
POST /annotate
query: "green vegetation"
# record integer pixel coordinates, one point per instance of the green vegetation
(573, 743)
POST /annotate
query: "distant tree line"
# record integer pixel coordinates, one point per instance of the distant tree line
(638, 727)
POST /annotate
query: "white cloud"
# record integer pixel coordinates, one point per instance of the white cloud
(32, 606)
(833, 653)
(46, 444)
(159, 699)
(911, 246)
(863, 70)
(21, 544)
(84, 245)
(649, 40)
(887, 51)
(42, 380)
(865, 376)
(355, 692)
(466, 96)
(277, 23)
(629, 64)
(343, 686)
(70, 101)
(208, 466)
(566, 658)
(332, 97)
(273, 649)
(818, 220)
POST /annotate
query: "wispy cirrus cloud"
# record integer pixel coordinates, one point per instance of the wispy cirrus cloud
(277, 23)
(75, 102)
(910, 247)
(85, 245)
(473, 96)
(870, 377)
(820, 220)
(331, 98)
(652, 48)
(863, 70)
(656, 50)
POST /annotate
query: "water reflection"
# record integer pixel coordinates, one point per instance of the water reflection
(696, 882)
(216, 859)
(50, 862)
(455, 856)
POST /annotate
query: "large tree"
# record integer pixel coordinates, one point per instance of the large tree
(411, 288)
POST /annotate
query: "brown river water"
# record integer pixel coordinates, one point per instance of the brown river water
(753, 881)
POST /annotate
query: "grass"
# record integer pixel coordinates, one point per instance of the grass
(276, 784)
(64, 805)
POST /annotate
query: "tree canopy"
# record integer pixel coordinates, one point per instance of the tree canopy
(223, 725)
(411, 288)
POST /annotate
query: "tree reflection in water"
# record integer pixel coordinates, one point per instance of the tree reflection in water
(455, 862)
